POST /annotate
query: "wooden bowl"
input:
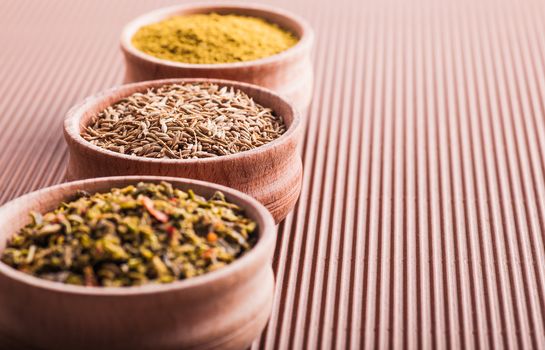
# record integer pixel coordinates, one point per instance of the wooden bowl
(289, 73)
(271, 173)
(225, 309)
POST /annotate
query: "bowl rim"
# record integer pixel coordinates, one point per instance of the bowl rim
(305, 40)
(73, 118)
(266, 239)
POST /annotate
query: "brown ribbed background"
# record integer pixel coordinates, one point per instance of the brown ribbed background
(421, 218)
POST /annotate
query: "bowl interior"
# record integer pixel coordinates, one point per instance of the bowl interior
(261, 96)
(14, 214)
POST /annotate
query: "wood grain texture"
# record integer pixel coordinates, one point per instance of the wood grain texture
(421, 217)
(214, 310)
(289, 73)
(271, 173)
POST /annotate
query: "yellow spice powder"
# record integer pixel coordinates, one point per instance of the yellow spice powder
(212, 38)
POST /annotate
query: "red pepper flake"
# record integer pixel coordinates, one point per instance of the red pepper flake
(159, 215)
(170, 230)
(212, 237)
(89, 276)
(208, 254)
(173, 235)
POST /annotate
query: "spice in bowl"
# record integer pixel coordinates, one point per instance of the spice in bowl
(212, 38)
(182, 121)
(147, 233)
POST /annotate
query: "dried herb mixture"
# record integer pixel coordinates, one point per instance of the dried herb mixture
(147, 233)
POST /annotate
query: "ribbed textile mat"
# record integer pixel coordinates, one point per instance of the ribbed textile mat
(421, 219)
